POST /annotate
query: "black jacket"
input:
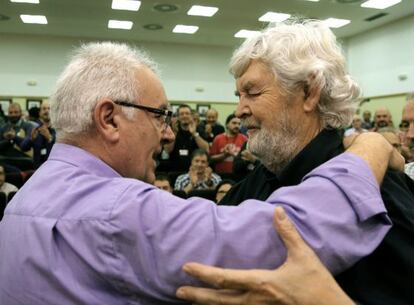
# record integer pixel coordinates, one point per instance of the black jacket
(386, 277)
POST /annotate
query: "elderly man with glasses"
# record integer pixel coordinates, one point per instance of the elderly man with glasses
(90, 228)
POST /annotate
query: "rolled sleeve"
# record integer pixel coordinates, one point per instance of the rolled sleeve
(337, 209)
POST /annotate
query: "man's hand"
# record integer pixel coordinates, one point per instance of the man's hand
(34, 134)
(246, 155)
(302, 279)
(9, 134)
(44, 131)
(376, 151)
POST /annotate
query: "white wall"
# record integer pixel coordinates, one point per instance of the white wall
(376, 58)
(184, 67)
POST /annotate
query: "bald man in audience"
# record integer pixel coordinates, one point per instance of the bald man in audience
(382, 118)
(210, 128)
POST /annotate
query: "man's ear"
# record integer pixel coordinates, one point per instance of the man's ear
(312, 95)
(107, 119)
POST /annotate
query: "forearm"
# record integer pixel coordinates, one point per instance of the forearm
(201, 143)
(375, 151)
(218, 157)
(337, 226)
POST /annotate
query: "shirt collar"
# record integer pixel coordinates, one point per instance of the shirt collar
(81, 158)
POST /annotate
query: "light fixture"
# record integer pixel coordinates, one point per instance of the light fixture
(380, 4)
(274, 17)
(25, 1)
(120, 24)
(38, 19)
(246, 34)
(199, 10)
(127, 5)
(152, 26)
(312, 0)
(336, 23)
(165, 8)
(186, 29)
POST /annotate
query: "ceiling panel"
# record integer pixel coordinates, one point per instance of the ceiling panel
(89, 18)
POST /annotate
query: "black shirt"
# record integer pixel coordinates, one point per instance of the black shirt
(215, 130)
(386, 277)
(180, 157)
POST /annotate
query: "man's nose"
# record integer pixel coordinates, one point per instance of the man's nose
(168, 135)
(242, 109)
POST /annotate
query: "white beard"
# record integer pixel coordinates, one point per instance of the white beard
(275, 148)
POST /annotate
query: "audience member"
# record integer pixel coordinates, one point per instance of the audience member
(187, 139)
(33, 115)
(367, 123)
(295, 72)
(227, 145)
(99, 232)
(5, 187)
(210, 127)
(382, 118)
(283, 286)
(163, 183)
(222, 188)
(200, 176)
(356, 127)
(12, 135)
(42, 138)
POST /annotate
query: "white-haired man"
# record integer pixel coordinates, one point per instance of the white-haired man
(294, 94)
(90, 228)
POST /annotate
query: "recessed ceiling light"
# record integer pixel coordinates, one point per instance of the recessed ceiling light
(25, 1)
(152, 26)
(206, 11)
(274, 17)
(336, 23)
(165, 8)
(120, 24)
(380, 4)
(246, 34)
(38, 19)
(187, 29)
(127, 5)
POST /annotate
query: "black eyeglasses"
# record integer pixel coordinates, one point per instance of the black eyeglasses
(167, 114)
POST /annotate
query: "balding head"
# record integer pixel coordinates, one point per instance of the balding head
(382, 117)
(15, 113)
(211, 116)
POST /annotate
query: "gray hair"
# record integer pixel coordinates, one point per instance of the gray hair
(304, 54)
(96, 71)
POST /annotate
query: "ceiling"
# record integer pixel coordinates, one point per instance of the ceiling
(88, 18)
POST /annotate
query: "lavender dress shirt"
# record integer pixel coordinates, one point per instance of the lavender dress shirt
(79, 233)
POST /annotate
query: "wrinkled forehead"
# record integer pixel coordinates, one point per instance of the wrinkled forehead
(256, 73)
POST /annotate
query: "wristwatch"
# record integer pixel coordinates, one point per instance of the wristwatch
(196, 134)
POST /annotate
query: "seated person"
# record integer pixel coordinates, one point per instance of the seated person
(42, 137)
(12, 135)
(5, 187)
(222, 188)
(200, 176)
(210, 128)
(163, 183)
(227, 145)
